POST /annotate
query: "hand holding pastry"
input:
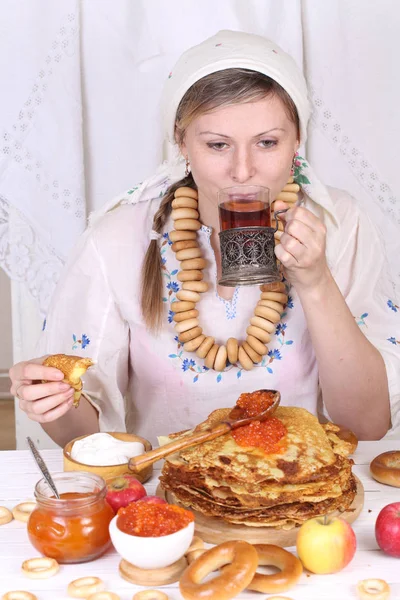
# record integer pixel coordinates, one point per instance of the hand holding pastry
(44, 392)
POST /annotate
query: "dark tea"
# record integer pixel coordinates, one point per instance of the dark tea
(244, 213)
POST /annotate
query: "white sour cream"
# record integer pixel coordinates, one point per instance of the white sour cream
(102, 449)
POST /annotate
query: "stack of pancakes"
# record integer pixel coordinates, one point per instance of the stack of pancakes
(244, 485)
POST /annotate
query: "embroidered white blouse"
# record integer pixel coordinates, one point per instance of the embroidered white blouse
(148, 384)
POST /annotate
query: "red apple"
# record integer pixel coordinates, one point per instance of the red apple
(123, 490)
(326, 545)
(387, 529)
(153, 500)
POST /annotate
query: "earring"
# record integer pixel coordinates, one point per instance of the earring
(293, 164)
(187, 168)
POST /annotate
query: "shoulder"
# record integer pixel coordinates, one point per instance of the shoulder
(126, 225)
(352, 216)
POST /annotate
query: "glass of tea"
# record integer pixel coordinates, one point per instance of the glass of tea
(246, 236)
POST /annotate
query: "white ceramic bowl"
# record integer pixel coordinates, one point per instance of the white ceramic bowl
(151, 552)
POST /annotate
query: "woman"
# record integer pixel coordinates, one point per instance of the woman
(235, 112)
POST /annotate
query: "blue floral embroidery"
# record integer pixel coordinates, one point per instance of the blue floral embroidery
(393, 306)
(44, 324)
(85, 341)
(289, 302)
(170, 316)
(393, 340)
(361, 320)
(166, 237)
(173, 285)
(187, 363)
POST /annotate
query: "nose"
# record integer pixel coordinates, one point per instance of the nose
(242, 166)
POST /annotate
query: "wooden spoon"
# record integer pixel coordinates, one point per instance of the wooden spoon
(236, 418)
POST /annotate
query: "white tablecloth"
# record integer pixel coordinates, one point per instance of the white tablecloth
(18, 475)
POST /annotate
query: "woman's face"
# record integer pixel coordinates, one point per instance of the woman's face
(242, 144)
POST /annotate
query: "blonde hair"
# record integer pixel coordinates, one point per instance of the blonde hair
(223, 88)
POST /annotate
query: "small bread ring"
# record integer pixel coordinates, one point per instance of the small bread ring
(255, 357)
(85, 587)
(188, 296)
(373, 589)
(183, 245)
(276, 286)
(186, 325)
(192, 275)
(42, 567)
(184, 213)
(196, 544)
(241, 559)
(276, 296)
(191, 334)
(187, 224)
(183, 202)
(263, 324)
(19, 595)
(185, 315)
(205, 346)
(187, 192)
(180, 236)
(385, 468)
(257, 346)
(220, 359)
(150, 595)
(232, 347)
(211, 355)
(5, 515)
(267, 313)
(259, 333)
(178, 307)
(290, 570)
(22, 511)
(194, 555)
(104, 596)
(245, 359)
(192, 345)
(272, 304)
(193, 264)
(195, 286)
(189, 253)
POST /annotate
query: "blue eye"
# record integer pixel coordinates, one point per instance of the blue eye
(217, 145)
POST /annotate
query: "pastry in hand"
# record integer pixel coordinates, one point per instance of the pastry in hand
(73, 368)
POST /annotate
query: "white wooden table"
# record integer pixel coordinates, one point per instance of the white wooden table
(18, 475)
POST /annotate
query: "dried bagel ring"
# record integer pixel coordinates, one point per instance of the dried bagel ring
(23, 511)
(373, 589)
(180, 236)
(290, 570)
(241, 559)
(245, 359)
(150, 595)
(205, 347)
(192, 345)
(184, 202)
(85, 587)
(104, 596)
(19, 595)
(385, 468)
(232, 347)
(184, 213)
(187, 192)
(42, 567)
(5, 515)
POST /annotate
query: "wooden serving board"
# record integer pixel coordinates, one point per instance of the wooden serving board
(214, 530)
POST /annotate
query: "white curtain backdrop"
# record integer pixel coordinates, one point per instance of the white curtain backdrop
(80, 123)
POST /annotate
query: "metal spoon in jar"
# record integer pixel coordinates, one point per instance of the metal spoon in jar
(42, 466)
(236, 418)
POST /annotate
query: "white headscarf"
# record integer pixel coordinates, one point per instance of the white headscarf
(225, 50)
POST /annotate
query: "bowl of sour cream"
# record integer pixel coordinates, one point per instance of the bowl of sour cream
(106, 454)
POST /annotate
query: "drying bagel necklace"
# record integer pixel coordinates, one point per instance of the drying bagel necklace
(267, 313)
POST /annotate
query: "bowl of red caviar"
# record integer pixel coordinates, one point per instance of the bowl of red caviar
(152, 536)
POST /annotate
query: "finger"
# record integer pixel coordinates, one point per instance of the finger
(301, 232)
(37, 391)
(305, 216)
(286, 258)
(54, 414)
(31, 370)
(40, 407)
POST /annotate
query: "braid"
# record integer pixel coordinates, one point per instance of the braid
(151, 295)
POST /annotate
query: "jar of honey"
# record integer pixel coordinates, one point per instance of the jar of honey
(73, 528)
